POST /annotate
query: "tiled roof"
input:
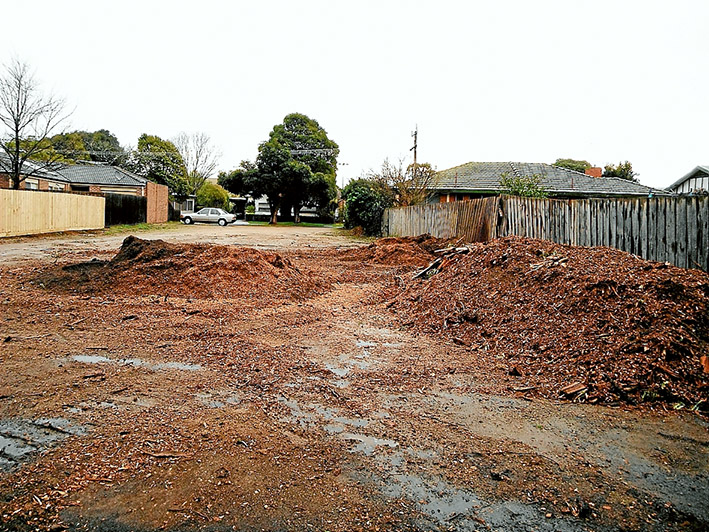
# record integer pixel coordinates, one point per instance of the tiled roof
(698, 169)
(32, 169)
(485, 177)
(96, 174)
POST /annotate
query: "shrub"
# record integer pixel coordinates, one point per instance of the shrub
(211, 195)
(525, 186)
(365, 201)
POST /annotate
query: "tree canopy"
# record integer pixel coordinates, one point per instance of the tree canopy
(159, 160)
(211, 195)
(98, 146)
(573, 164)
(27, 120)
(295, 167)
(622, 170)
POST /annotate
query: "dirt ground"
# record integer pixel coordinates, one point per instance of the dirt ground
(179, 387)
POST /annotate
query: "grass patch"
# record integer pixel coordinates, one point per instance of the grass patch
(129, 228)
(301, 224)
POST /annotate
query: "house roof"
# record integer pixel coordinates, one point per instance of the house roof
(32, 169)
(698, 169)
(485, 177)
(98, 174)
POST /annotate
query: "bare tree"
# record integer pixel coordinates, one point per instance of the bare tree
(411, 186)
(29, 118)
(199, 156)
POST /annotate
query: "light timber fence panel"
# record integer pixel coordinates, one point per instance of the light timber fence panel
(25, 212)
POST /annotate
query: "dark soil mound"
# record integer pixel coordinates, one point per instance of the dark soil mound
(623, 328)
(403, 251)
(155, 267)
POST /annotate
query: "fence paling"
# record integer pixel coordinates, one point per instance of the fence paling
(674, 229)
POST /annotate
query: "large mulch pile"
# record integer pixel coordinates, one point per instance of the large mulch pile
(401, 251)
(594, 324)
(155, 267)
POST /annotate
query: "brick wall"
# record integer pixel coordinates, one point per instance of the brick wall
(157, 203)
(4, 181)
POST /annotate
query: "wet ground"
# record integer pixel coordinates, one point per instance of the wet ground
(146, 413)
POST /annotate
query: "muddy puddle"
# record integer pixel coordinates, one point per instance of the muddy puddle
(136, 363)
(21, 439)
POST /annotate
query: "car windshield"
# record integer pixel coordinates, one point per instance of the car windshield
(203, 211)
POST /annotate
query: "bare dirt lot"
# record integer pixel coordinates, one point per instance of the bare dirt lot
(307, 382)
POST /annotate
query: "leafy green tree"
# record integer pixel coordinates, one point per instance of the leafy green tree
(295, 167)
(158, 160)
(211, 195)
(365, 202)
(573, 164)
(98, 146)
(310, 173)
(525, 186)
(623, 170)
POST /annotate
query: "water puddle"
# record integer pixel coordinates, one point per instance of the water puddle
(21, 439)
(136, 363)
(367, 444)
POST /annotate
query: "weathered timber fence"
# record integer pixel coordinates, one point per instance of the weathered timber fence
(125, 209)
(475, 220)
(671, 229)
(25, 212)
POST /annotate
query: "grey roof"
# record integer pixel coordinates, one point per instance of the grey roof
(698, 169)
(98, 174)
(32, 169)
(479, 177)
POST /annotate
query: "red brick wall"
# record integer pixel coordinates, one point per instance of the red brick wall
(4, 181)
(42, 184)
(157, 203)
(594, 172)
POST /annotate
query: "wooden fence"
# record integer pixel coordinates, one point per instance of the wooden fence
(671, 229)
(24, 212)
(125, 209)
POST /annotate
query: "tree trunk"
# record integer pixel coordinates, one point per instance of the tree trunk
(296, 213)
(274, 206)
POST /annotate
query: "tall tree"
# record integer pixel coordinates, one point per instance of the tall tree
(623, 170)
(573, 164)
(28, 119)
(158, 160)
(295, 167)
(310, 173)
(200, 158)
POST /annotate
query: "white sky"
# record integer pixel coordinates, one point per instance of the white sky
(514, 80)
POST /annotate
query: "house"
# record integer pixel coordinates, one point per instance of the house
(479, 179)
(101, 178)
(96, 178)
(695, 182)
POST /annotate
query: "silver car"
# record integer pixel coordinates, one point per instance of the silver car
(208, 214)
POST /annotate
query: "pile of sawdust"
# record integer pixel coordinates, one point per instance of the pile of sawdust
(622, 328)
(402, 251)
(155, 267)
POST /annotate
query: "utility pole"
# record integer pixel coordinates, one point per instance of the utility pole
(415, 135)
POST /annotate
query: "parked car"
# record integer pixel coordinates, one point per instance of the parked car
(208, 214)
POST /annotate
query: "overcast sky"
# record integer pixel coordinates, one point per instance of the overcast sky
(526, 81)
